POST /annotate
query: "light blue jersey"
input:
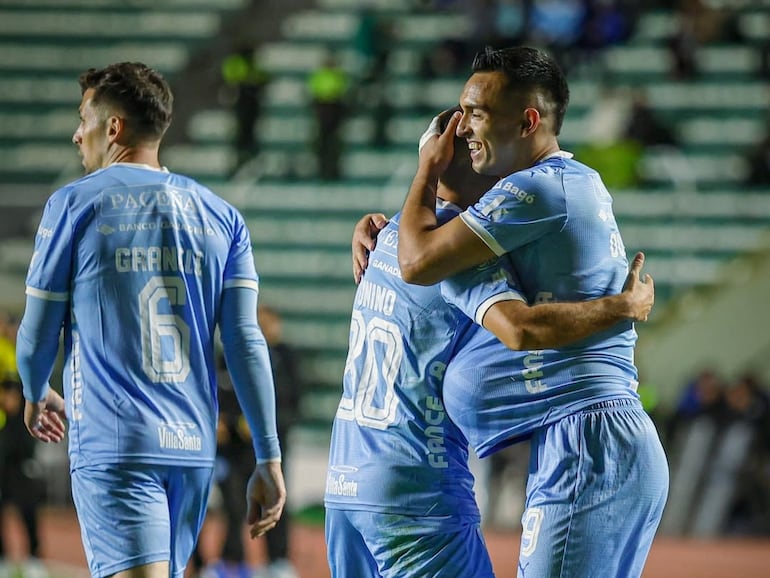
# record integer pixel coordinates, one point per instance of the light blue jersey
(598, 476)
(393, 448)
(564, 247)
(142, 257)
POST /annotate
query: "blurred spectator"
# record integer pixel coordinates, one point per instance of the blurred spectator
(698, 23)
(511, 22)
(558, 25)
(763, 70)
(449, 58)
(758, 161)
(21, 482)
(608, 148)
(234, 464)
(288, 391)
(242, 74)
(328, 87)
(644, 126)
(506, 486)
(748, 402)
(703, 395)
(373, 42)
(608, 23)
(8, 328)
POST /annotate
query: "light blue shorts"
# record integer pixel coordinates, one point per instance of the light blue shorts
(598, 482)
(374, 545)
(136, 514)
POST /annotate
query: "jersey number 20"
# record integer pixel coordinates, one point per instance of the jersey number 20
(374, 373)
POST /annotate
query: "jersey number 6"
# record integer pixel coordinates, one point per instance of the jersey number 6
(165, 336)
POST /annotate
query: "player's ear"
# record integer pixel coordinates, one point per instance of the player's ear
(115, 128)
(530, 121)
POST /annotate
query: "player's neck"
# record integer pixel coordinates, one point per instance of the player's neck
(141, 155)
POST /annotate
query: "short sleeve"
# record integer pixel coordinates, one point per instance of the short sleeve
(475, 290)
(240, 270)
(50, 268)
(518, 210)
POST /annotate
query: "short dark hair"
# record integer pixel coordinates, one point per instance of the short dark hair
(10, 384)
(528, 69)
(140, 92)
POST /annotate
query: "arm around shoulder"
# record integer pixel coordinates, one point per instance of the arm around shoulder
(552, 325)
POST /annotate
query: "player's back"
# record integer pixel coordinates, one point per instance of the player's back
(393, 449)
(149, 253)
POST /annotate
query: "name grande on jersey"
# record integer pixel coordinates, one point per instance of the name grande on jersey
(159, 259)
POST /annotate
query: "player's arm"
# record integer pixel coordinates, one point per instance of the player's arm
(364, 241)
(248, 362)
(37, 344)
(552, 325)
(427, 252)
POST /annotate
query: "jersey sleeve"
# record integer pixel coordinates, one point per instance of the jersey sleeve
(240, 270)
(516, 211)
(49, 271)
(475, 290)
(245, 347)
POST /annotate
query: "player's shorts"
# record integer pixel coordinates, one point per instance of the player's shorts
(374, 545)
(135, 514)
(598, 482)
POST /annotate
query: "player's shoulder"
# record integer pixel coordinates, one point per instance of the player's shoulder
(446, 211)
(79, 187)
(208, 196)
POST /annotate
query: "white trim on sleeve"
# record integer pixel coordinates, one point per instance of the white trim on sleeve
(485, 306)
(477, 228)
(47, 295)
(245, 283)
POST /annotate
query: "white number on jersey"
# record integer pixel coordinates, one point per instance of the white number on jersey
(617, 249)
(361, 405)
(157, 327)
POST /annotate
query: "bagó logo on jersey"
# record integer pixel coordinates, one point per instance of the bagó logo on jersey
(176, 436)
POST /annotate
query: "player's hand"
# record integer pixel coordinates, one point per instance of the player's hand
(266, 498)
(436, 148)
(45, 419)
(640, 292)
(365, 240)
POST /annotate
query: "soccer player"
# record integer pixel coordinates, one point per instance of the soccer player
(598, 474)
(399, 494)
(139, 266)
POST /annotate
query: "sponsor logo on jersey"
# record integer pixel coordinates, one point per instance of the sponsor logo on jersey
(338, 484)
(386, 267)
(157, 200)
(177, 436)
(435, 415)
(515, 191)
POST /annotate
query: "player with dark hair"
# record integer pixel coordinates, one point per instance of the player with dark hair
(399, 492)
(139, 266)
(598, 475)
